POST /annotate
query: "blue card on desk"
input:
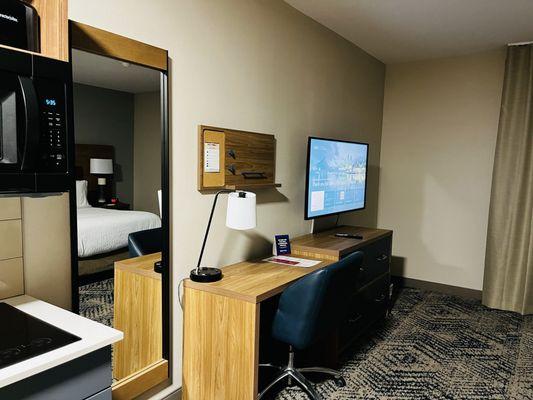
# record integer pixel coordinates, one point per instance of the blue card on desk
(283, 245)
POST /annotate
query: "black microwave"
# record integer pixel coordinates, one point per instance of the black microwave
(36, 133)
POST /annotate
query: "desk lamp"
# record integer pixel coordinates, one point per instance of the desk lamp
(101, 166)
(240, 215)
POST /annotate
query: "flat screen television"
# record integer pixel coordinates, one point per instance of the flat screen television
(336, 177)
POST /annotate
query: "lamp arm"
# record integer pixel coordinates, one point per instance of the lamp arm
(209, 225)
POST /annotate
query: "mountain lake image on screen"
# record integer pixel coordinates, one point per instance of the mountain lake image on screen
(336, 180)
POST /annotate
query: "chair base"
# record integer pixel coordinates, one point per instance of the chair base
(296, 374)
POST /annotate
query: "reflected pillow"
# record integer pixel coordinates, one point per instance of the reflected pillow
(81, 194)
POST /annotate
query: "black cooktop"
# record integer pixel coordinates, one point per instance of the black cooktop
(23, 336)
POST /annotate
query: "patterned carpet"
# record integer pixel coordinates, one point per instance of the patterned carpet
(96, 301)
(438, 347)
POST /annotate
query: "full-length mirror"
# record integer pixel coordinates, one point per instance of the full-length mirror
(120, 278)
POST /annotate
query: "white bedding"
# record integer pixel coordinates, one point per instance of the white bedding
(102, 230)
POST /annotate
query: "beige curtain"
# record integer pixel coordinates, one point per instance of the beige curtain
(508, 282)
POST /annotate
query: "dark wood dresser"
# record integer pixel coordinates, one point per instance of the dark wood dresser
(372, 292)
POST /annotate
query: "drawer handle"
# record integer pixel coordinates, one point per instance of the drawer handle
(354, 320)
(380, 299)
(383, 257)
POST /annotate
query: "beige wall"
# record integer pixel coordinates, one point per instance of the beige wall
(440, 122)
(146, 151)
(253, 65)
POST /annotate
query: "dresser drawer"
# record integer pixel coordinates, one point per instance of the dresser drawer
(367, 306)
(376, 261)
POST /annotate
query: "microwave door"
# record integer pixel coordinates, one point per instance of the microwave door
(31, 132)
(10, 125)
(19, 125)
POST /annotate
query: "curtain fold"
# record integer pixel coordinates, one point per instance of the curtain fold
(508, 280)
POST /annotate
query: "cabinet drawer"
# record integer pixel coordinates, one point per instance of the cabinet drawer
(11, 239)
(11, 278)
(9, 208)
(376, 261)
(367, 306)
(103, 395)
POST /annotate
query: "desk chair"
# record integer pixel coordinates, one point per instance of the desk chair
(310, 309)
(145, 242)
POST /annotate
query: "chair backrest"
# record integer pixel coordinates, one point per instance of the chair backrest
(314, 305)
(145, 242)
(159, 199)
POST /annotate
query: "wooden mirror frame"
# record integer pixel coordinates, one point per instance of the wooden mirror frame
(107, 44)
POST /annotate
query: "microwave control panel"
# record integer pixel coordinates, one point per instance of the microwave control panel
(53, 155)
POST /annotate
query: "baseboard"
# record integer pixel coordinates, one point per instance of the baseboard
(437, 287)
(174, 396)
(96, 277)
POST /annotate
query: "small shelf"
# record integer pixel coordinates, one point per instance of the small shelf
(253, 186)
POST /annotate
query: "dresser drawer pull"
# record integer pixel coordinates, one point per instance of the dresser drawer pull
(383, 257)
(353, 320)
(380, 299)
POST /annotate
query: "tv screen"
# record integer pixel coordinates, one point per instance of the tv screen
(336, 177)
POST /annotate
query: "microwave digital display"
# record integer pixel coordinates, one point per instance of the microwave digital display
(50, 102)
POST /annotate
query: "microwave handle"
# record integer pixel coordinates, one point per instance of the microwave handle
(31, 124)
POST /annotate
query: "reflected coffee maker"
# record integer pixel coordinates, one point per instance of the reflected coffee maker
(19, 25)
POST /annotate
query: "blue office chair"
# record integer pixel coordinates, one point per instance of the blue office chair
(145, 242)
(310, 309)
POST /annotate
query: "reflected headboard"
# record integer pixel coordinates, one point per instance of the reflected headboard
(84, 153)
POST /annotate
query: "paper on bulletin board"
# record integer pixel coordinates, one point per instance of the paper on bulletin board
(211, 157)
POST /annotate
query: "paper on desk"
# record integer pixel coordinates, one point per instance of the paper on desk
(292, 261)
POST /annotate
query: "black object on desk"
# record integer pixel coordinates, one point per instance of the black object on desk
(24, 336)
(158, 267)
(349, 236)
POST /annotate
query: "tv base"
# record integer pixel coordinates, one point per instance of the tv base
(322, 224)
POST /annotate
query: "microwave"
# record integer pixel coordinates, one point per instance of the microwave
(36, 132)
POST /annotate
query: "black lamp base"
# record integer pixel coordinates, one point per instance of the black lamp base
(206, 275)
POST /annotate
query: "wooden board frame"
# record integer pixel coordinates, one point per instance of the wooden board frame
(97, 41)
(134, 385)
(248, 142)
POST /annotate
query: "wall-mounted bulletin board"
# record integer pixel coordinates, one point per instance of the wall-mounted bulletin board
(232, 159)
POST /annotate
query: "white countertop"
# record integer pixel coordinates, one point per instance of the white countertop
(93, 336)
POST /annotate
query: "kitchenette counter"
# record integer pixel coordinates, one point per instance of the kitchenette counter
(94, 336)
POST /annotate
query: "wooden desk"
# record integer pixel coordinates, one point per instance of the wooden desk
(221, 319)
(138, 362)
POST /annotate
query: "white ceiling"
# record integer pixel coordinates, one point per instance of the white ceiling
(95, 70)
(406, 30)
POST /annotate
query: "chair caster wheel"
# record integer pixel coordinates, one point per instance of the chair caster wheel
(340, 382)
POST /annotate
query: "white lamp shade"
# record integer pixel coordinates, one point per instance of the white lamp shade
(241, 211)
(101, 166)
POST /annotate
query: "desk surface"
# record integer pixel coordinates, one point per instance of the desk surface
(143, 265)
(255, 281)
